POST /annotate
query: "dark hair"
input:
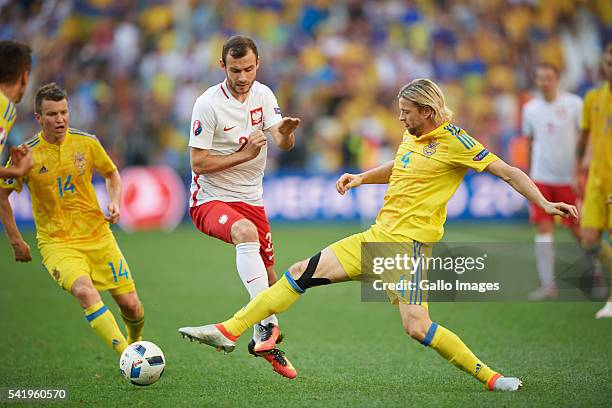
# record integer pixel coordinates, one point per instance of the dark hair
(548, 65)
(15, 59)
(238, 46)
(49, 92)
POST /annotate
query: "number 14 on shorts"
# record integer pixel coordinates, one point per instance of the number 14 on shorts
(119, 271)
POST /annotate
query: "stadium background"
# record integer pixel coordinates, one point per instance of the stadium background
(133, 69)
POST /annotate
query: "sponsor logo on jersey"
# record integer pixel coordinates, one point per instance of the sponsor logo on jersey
(197, 128)
(42, 170)
(225, 129)
(277, 111)
(483, 153)
(256, 116)
(430, 149)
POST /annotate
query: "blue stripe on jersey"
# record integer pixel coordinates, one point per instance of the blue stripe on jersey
(465, 141)
(419, 292)
(13, 113)
(421, 271)
(430, 334)
(81, 133)
(293, 283)
(411, 272)
(469, 139)
(33, 142)
(97, 313)
(8, 107)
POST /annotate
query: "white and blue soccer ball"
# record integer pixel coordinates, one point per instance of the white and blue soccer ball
(142, 363)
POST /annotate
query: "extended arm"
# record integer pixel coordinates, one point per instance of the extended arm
(284, 133)
(523, 184)
(377, 175)
(21, 249)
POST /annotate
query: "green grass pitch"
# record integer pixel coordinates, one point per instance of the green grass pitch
(347, 353)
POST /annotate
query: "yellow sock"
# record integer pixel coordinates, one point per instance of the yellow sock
(103, 323)
(276, 299)
(605, 255)
(134, 327)
(449, 346)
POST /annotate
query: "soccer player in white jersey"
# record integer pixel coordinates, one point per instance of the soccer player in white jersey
(551, 121)
(228, 149)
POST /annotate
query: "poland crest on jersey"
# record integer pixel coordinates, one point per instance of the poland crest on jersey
(256, 116)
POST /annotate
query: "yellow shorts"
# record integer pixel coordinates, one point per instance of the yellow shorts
(596, 213)
(101, 260)
(349, 253)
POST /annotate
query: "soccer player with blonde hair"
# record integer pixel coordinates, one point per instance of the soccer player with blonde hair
(75, 241)
(428, 168)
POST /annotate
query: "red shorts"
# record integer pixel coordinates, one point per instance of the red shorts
(215, 218)
(554, 193)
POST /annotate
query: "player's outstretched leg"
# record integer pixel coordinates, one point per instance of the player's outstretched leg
(97, 314)
(419, 326)
(132, 314)
(276, 299)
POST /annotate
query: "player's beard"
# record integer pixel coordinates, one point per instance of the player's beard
(415, 130)
(240, 91)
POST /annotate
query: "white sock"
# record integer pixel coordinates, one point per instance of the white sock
(545, 260)
(253, 274)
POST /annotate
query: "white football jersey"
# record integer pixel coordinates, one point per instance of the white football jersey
(222, 124)
(554, 129)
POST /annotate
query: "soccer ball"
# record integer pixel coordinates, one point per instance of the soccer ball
(142, 363)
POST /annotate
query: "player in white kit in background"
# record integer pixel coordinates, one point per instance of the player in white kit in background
(551, 121)
(228, 149)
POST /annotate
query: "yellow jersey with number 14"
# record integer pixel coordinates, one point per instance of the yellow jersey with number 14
(426, 173)
(8, 114)
(64, 202)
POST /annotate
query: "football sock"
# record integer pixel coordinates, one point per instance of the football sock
(134, 327)
(276, 299)
(605, 255)
(103, 323)
(449, 346)
(602, 251)
(253, 273)
(545, 259)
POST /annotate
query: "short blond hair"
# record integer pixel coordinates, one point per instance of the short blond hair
(425, 93)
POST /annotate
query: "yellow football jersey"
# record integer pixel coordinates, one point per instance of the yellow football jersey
(8, 114)
(64, 202)
(426, 173)
(597, 119)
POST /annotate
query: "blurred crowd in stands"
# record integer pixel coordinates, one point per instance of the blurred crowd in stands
(133, 68)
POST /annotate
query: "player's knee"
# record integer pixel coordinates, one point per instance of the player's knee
(132, 307)
(297, 269)
(302, 273)
(244, 231)
(85, 292)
